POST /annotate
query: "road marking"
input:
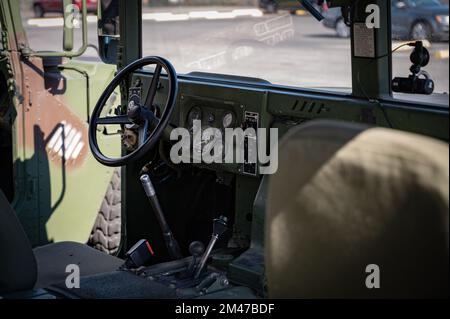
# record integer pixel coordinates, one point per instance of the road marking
(300, 12)
(165, 16)
(54, 22)
(162, 17)
(441, 54)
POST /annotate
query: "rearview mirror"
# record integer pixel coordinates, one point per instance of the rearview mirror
(108, 30)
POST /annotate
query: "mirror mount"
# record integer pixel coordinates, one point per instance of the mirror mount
(68, 31)
(68, 34)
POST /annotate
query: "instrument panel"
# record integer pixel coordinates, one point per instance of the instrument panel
(211, 117)
(220, 115)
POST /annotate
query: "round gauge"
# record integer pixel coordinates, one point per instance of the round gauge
(194, 114)
(228, 119)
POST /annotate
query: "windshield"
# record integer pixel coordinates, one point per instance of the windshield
(275, 41)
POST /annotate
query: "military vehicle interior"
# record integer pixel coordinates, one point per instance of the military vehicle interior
(362, 178)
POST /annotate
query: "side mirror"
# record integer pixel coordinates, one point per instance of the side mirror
(108, 30)
(68, 25)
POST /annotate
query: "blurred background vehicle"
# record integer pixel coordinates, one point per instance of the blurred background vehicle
(41, 7)
(272, 6)
(411, 20)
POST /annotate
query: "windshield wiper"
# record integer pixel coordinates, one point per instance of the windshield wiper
(314, 12)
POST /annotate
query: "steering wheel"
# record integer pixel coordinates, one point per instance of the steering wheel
(140, 116)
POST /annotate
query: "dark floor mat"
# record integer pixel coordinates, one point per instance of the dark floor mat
(115, 285)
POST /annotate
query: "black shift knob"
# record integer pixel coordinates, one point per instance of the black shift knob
(196, 248)
(219, 225)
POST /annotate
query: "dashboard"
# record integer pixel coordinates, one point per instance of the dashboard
(218, 103)
(203, 111)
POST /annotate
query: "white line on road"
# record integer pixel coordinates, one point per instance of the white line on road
(162, 17)
(165, 16)
(54, 22)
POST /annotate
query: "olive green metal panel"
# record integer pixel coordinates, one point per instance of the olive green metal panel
(87, 81)
(58, 184)
(63, 183)
(248, 269)
(84, 187)
(291, 109)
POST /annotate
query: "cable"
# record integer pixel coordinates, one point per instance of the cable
(411, 44)
(364, 92)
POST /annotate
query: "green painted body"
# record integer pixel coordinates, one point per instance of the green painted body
(55, 201)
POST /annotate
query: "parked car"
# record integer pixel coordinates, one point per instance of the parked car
(411, 20)
(41, 7)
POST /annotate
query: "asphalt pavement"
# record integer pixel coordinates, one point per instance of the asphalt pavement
(282, 48)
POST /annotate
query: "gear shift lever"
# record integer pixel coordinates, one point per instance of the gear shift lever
(171, 242)
(196, 248)
(219, 227)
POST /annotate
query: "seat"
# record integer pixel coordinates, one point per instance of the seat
(52, 260)
(22, 268)
(358, 212)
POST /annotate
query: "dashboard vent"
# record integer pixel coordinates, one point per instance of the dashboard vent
(308, 107)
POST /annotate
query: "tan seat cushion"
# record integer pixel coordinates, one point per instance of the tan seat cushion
(346, 196)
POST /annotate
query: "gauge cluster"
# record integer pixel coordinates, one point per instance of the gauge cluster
(212, 113)
(209, 117)
(212, 117)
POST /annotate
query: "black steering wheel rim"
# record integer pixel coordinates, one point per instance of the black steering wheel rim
(163, 121)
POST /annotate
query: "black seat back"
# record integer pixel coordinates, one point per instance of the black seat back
(18, 270)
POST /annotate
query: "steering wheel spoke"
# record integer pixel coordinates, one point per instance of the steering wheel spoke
(153, 87)
(119, 119)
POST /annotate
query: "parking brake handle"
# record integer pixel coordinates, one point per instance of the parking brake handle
(171, 242)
